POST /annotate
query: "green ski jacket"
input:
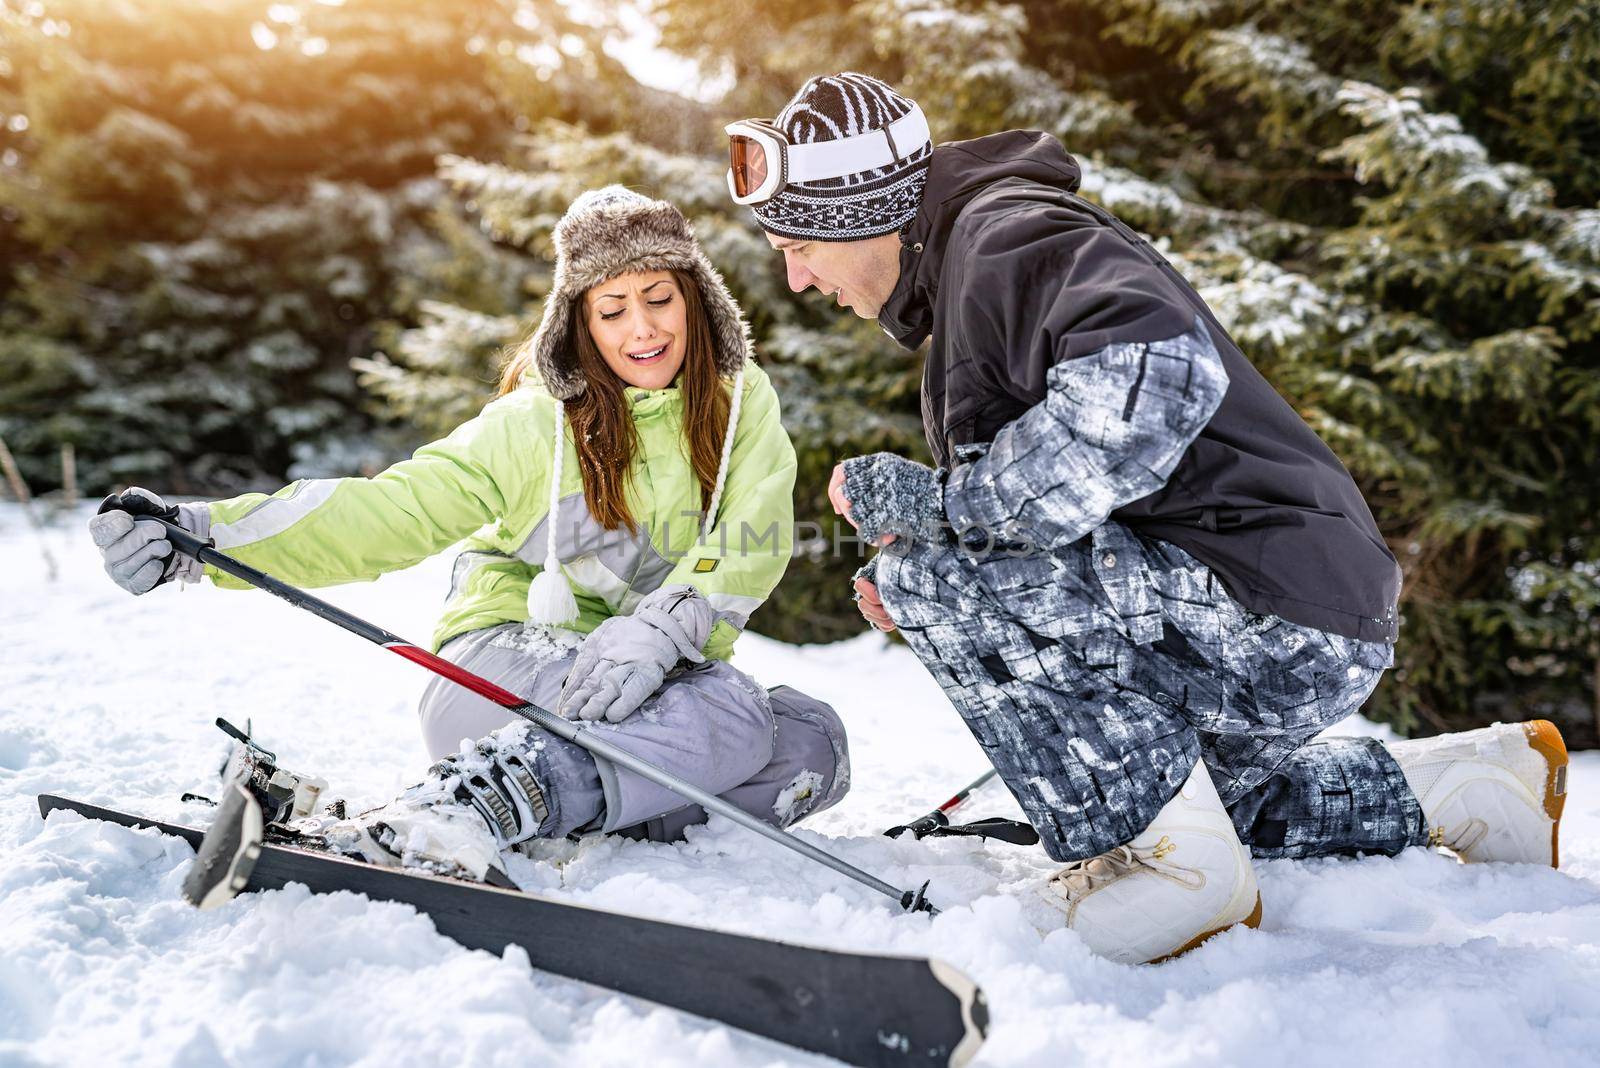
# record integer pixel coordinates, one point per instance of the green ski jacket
(489, 482)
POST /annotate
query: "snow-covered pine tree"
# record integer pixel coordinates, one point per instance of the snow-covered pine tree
(14, 124)
(476, 283)
(1460, 371)
(214, 210)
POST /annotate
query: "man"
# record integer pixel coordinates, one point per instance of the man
(1140, 577)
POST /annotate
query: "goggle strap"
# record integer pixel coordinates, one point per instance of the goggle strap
(860, 152)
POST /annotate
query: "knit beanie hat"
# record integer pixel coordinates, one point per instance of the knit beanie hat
(855, 206)
(605, 233)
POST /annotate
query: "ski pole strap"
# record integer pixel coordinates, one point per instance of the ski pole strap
(1014, 831)
(938, 825)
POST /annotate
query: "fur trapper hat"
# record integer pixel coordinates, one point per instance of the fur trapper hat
(612, 231)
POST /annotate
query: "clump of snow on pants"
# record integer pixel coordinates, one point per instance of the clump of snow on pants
(796, 799)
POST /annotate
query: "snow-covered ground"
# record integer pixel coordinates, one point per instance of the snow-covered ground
(1412, 961)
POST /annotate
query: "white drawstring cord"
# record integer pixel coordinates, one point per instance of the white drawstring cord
(558, 449)
(727, 452)
(550, 598)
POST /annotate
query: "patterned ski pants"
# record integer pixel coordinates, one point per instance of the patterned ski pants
(1096, 675)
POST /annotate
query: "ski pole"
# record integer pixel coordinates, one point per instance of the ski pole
(206, 552)
(940, 817)
(937, 823)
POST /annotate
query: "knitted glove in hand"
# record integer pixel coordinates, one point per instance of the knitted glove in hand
(889, 494)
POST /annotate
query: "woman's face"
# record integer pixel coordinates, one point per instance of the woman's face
(638, 324)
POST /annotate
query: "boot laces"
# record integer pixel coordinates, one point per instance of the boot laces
(1083, 877)
(1460, 837)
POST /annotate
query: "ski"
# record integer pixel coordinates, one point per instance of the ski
(862, 1008)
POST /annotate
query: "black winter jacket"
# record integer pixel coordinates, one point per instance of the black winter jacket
(1013, 274)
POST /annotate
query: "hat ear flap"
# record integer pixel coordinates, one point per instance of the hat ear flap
(729, 332)
(563, 378)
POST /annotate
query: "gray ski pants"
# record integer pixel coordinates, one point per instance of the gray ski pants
(777, 754)
(1095, 676)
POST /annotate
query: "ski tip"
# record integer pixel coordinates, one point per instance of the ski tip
(228, 853)
(974, 1010)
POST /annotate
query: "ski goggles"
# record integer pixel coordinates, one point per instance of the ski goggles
(762, 162)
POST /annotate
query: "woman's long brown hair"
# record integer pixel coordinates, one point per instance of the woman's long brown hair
(602, 425)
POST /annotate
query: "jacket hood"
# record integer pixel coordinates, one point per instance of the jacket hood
(958, 172)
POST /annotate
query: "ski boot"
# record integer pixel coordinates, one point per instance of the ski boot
(1493, 794)
(455, 822)
(1185, 878)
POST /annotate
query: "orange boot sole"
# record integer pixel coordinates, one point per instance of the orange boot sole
(1545, 739)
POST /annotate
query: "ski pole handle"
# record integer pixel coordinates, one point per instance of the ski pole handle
(184, 541)
(937, 823)
(939, 818)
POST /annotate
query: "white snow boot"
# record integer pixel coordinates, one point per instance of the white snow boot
(1491, 794)
(473, 804)
(1186, 878)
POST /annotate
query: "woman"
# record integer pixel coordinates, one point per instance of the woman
(628, 507)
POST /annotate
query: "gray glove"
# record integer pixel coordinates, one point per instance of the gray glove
(625, 659)
(137, 554)
(892, 495)
(868, 571)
